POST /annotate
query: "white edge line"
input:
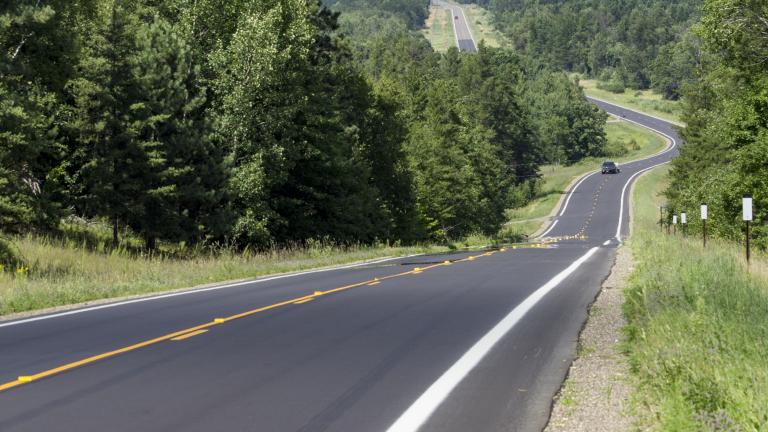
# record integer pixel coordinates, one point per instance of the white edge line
(469, 30)
(573, 189)
(666, 150)
(635, 111)
(453, 21)
(623, 192)
(421, 409)
(194, 291)
(548, 230)
(606, 243)
(624, 189)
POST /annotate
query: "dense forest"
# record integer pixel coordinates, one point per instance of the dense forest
(264, 122)
(726, 112)
(636, 43)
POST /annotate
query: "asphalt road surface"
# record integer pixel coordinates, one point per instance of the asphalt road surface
(464, 39)
(472, 341)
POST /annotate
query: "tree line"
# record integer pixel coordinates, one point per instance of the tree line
(265, 122)
(637, 43)
(726, 113)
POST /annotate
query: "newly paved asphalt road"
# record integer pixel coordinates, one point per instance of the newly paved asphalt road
(463, 35)
(480, 343)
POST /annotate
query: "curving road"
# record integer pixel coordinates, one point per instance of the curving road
(472, 341)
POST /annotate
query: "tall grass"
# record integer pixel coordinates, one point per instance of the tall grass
(64, 271)
(698, 328)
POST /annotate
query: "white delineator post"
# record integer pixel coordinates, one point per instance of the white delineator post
(704, 216)
(746, 209)
(674, 224)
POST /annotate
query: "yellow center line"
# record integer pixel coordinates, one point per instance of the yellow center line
(303, 301)
(202, 328)
(188, 335)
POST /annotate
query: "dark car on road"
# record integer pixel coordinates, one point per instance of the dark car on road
(610, 168)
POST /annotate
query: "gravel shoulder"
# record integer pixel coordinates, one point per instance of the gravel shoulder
(596, 394)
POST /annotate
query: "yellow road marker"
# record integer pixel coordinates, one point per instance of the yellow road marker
(446, 263)
(370, 284)
(193, 331)
(189, 335)
(303, 301)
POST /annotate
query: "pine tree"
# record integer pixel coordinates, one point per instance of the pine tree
(111, 164)
(183, 184)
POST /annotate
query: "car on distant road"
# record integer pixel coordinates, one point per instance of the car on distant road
(610, 167)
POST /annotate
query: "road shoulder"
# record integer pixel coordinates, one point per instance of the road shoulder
(596, 394)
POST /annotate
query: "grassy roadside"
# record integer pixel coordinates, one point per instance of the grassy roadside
(480, 23)
(66, 273)
(438, 29)
(698, 326)
(642, 100)
(638, 142)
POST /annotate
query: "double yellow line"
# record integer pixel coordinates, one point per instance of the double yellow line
(202, 328)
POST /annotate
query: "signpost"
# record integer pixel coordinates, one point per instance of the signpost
(674, 224)
(746, 207)
(704, 216)
(683, 222)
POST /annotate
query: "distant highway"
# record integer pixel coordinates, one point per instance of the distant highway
(462, 33)
(469, 341)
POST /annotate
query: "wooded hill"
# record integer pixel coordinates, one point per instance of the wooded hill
(726, 112)
(260, 122)
(635, 43)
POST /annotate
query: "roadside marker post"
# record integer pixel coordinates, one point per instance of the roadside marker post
(704, 216)
(674, 224)
(683, 222)
(746, 208)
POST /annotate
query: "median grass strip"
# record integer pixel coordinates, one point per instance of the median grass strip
(635, 141)
(438, 29)
(480, 22)
(646, 101)
(698, 326)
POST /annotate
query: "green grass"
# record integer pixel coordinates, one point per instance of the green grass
(481, 24)
(64, 272)
(645, 101)
(439, 29)
(698, 326)
(81, 266)
(638, 142)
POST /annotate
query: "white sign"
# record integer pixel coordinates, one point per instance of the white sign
(703, 212)
(747, 207)
(683, 218)
(674, 220)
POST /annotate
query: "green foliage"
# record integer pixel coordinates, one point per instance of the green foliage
(727, 134)
(412, 12)
(264, 123)
(696, 329)
(629, 39)
(570, 127)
